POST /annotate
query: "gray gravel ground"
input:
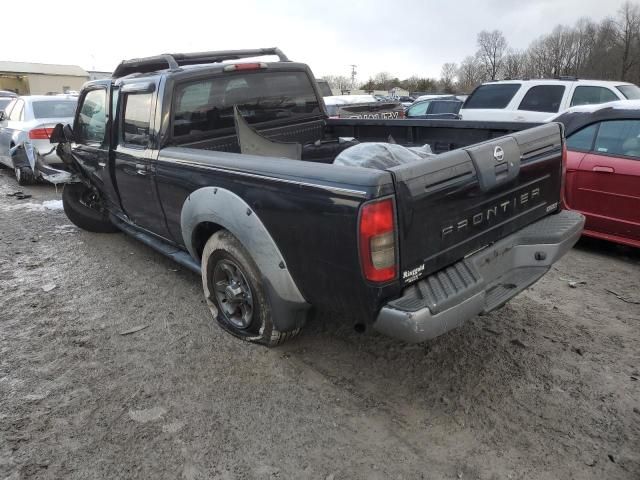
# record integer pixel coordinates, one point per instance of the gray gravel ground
(546, 388)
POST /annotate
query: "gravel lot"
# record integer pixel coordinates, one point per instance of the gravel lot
(548, 387)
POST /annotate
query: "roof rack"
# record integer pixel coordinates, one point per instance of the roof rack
(175, 60)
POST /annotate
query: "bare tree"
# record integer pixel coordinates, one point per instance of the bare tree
(514, 64)
(448, 77)
(491, 49)
(470, 74)
(627, 36)
(383, 80)
(339, 82)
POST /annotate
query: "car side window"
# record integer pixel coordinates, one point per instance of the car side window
(582, 140)
(17, 114)
(136, 119)
(592, 95)
(420, 109)
(619, 137)
(90, 126)
(7, 110)
(543, 98)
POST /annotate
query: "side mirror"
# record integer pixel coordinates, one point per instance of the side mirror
(61, 134)
(2, 116)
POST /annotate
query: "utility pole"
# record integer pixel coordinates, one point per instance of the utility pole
(353, 76)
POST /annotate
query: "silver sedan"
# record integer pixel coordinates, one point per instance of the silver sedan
(32, 118)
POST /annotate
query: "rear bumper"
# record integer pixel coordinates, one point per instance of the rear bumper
(481, 282)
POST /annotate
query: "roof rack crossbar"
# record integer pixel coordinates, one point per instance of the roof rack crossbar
(176, 60)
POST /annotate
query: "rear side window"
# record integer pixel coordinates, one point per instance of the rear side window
(619, 137)
(582, 140)
(445, 107)
(54, 109)
(592, 95)
(543, 98)
(207, 105)
(630, 92)
(496, 95)
(136, 118)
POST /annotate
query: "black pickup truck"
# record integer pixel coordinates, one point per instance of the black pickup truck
(413, 250)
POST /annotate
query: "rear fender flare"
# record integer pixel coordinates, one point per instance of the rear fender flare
(225, 208)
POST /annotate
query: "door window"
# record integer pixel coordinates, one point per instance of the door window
(582, 140)
(619, 137)
(543, 98)
(592, 95)
(17, 114)
(136, 119)
(90, 126)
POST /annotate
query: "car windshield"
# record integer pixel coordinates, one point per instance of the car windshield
(4, 102)
(54, 108)
(492, 95)
(631, 92)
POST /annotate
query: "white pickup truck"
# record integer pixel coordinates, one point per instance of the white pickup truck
(537, 100)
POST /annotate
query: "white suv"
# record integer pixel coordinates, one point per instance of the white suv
(536, 100)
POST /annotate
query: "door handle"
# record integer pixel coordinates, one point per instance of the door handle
(603, 169)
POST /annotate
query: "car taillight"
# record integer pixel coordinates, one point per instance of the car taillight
(237, 67)
(40, 133)
(378, 241)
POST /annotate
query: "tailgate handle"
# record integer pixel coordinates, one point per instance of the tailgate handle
(603, 169)
(496, 162)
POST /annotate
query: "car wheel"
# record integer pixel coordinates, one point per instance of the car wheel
(235, 293)
(24, 176)
(84, 208)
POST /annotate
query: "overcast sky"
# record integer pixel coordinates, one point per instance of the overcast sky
(403, 37)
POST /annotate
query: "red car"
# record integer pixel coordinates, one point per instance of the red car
(603, 169)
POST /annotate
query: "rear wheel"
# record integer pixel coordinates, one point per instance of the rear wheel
(84, 208)
(235, 293)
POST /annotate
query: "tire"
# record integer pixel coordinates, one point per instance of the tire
(230, 307)
(75, 203)
(24, 176)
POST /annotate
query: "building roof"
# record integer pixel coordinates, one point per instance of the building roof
(42, 69)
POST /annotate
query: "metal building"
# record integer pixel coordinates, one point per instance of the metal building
(41, 78)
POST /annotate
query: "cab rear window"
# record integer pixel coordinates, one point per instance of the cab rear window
(206, 106)
(497, 95)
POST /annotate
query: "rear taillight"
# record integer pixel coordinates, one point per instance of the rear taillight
(40, 133)
(237, 67)
(378, 241)
(563, 178)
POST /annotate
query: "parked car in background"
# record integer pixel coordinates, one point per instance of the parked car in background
(5, 98)
(603, 168)
(535, 100)
(437, 108)
(363, 106)
(406, 101)
(432, 96)
(32, 118)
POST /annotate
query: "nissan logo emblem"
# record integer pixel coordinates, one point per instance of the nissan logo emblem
(498, 154)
